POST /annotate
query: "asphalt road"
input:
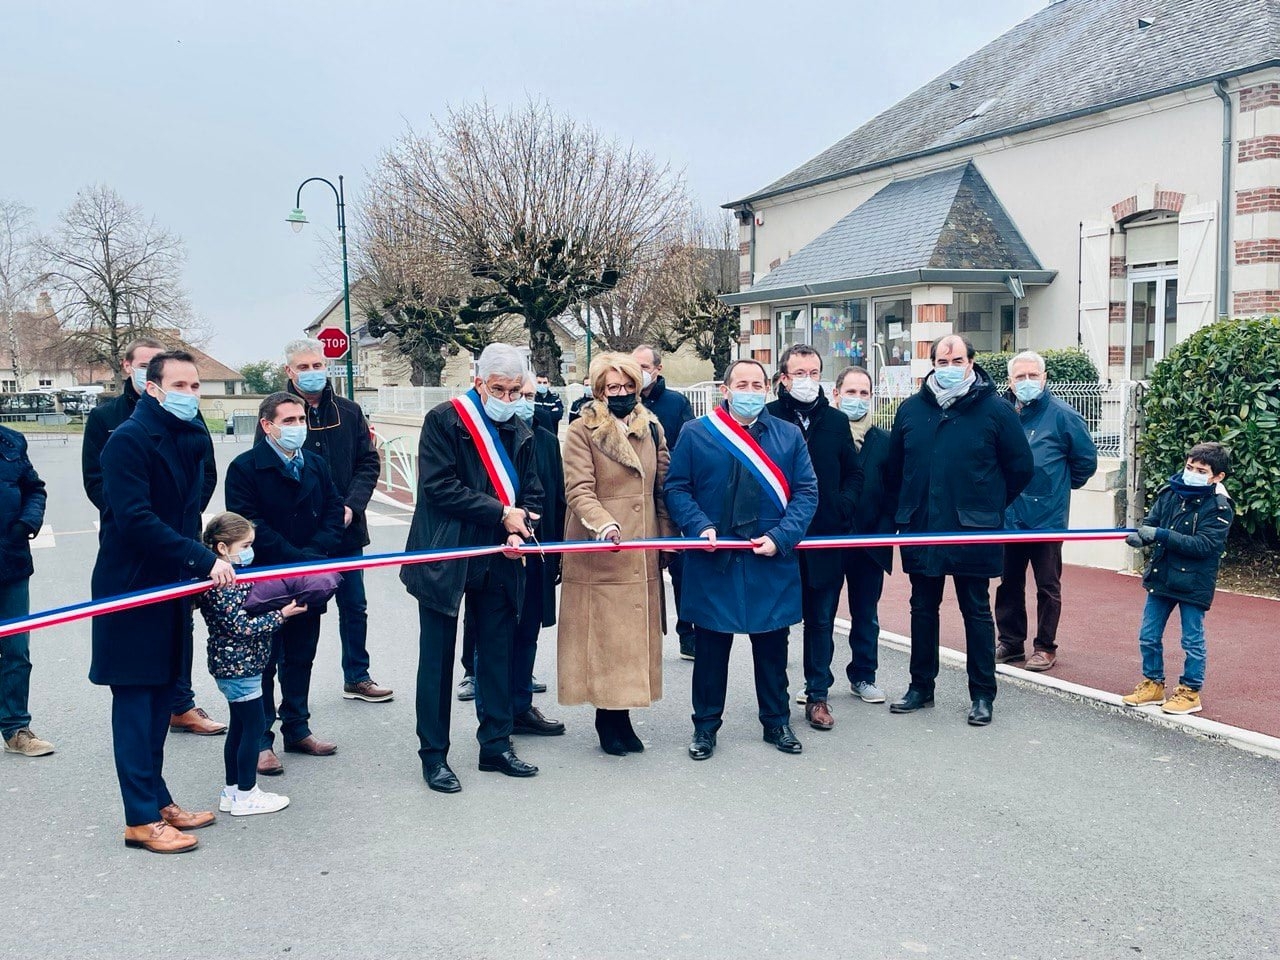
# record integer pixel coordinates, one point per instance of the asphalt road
(1060, 831)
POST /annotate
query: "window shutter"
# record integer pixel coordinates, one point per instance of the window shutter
(1095, 289)
(1197, 268)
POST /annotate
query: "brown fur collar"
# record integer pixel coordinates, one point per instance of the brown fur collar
(608, 438)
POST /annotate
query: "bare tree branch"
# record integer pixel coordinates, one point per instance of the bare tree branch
(22, 268)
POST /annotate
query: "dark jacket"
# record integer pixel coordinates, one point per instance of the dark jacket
(107, 417)
(457, 507)
(835, 463)
(575, 408)
(22, 500)
(239, 642)
(1191, 524)
(294, 520)
(672, 409)
(873, 512)
(548, 410)
(956, 470)
(736, 591)
(338, 431)
(550, 528)
(1065, 458)
(149, 536)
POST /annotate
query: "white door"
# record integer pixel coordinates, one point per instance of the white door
(1151, 320)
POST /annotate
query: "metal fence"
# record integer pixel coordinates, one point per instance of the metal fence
(49, 427)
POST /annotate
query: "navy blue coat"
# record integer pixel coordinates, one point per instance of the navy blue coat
(672, 409)
(22, 500)
(736, 591)
(873, 512)
(1191, 534)
(152, 466)
(1065, 458)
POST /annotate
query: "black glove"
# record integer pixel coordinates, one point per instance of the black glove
(1134, 541)
(1147, 533)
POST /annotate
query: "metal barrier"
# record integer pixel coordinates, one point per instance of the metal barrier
(399, 464)
(46, 427)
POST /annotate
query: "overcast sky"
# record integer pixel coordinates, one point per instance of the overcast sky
(208, 115)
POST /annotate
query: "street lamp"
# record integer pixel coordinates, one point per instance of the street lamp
(297, 220)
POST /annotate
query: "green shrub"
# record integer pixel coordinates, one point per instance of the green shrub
(1221, 383)
(1061, 365)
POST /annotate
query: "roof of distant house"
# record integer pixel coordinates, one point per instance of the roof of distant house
(1072, 58)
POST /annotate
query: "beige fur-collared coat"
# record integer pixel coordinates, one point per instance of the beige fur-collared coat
(610, 624)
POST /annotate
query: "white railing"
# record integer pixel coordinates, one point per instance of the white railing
(399, 464)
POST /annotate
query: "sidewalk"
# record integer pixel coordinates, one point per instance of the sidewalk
(1098, 642)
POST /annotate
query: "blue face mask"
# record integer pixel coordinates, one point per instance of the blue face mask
(948, 378)
(855, 408)
(140, 379)
(1028, 390)
(312, 381)
(524, 409)
(544, 388)
(244, 558)
(499, 411)
(184, 406)
(746, 404)
(293, 436)
(1193, 479)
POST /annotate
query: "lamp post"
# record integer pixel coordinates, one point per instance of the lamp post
(297, 220)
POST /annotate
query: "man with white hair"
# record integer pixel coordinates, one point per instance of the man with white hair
(479, 486)
(1065, 458)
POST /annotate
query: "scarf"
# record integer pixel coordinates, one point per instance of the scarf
(946, 398)
(859, 428)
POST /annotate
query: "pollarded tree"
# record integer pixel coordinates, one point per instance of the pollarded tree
(22, 269)
(698, 316)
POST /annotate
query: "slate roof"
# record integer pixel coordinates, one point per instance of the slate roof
(1073, 57)
(949, 220)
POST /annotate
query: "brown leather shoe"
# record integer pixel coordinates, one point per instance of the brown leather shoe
(1009, 653)
(1041, 661)
(312, 747)
(196, 721)
(368, 691)
(269, 764)
(181, 819)
(819, 715)
(159, 837)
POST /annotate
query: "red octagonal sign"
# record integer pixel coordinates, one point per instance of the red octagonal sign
(336, 342)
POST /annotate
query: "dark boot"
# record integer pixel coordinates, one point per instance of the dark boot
(627, 734)
(607, 729)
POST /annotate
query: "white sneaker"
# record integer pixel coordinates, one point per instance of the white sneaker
(867, 692)
(257, 801)
(224, 800)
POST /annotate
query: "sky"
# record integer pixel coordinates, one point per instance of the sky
(208, 115)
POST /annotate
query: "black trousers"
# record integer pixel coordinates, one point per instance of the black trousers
(1045, 560)
(139, 725)
(865, 579)
(293, 652)
(493, 619)
(675, 567)
(711, 677)
(973, 594)
(819, 604)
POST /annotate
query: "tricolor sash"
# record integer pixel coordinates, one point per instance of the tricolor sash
(502, 473)
(735, 438)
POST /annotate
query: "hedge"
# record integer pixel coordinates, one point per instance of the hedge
(1067, 365)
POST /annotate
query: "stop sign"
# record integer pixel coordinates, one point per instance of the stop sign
(336, 342)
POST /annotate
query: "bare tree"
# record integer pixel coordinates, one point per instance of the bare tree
(544, 212)
(117, 276)
(699, 317)
(22, 269)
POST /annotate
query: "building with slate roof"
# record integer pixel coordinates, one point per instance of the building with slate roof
(1105, 174)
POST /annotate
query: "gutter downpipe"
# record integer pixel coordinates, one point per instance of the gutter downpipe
(1224, 228)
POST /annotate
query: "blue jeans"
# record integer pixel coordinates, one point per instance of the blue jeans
(866, 583)
(15, 660)
(1151, 640)
(353, 624)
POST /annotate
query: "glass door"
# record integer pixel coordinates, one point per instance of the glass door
(891, 356)
(1152, 320)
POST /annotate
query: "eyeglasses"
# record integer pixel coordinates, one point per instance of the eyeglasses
(512, 393)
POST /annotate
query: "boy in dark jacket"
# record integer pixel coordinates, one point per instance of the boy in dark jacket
(1188, 525)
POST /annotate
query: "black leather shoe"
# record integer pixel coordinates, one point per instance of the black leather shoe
(440, 778)
(913, 700)
(782, 738)
(980, 712)
(532, 721)
(703, 745)
(509, 764)
(609, 734)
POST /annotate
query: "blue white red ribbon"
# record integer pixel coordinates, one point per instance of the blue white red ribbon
(735, 438)
(493, 455)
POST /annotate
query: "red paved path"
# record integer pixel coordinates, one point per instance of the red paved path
(1098, 642)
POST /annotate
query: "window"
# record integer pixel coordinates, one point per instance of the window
(8, 386)
(987, 319)
(44, 382)
(839, 335)
(1152, 320)
(792, 325)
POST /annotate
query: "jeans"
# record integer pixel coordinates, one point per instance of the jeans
(819, 605)
(293, 652)
(973, 594)
(1011, 596)
(711, 677)
(865, 579)
(1151, 640)
(15, 660)
(353, 624)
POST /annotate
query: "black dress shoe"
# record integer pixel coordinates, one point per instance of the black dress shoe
(532, 721)
(609, 733)
(507, 763)
(440, 778)
(703, 745)
(913, 700)
(980, 712)
(626, 733)
(782, 738)
(539, 686)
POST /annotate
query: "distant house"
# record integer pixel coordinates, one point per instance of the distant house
(1105, 174)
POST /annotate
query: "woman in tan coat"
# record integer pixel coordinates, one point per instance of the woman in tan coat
(611, 606)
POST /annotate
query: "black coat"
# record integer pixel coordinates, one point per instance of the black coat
(338, 431)
(839, 472)
(105, 418)
(22, 500)
(295, 520)
(550, 528)
(873, 512)
(672, 409)
(1191, 533)
(956, 470)
(149, 537)
(457, 507)
(575, 408)
(548, 410)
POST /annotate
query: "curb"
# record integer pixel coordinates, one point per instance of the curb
(1250, 741)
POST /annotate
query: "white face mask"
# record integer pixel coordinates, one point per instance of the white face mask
(648, 379)
(803, 389)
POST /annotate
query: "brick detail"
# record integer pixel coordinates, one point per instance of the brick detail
(1115, 356)
(1263, 95)
(744, 248)
(1169, 200)
(1259, 148)
(763, 356)
(1258, 251)
(1249, 302)
(760, 326)
(775, 263)
(744, 278)
(1119, 269)
(1261, 200)
(1117, 312)
(1125, 208)
(931, 313)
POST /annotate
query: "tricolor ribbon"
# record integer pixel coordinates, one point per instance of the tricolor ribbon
(141, 598)
(734, 437)
(502, 473)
